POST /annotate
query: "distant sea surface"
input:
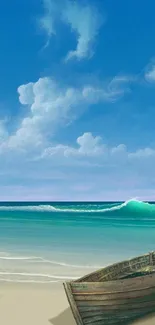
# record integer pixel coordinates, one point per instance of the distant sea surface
(50, 242)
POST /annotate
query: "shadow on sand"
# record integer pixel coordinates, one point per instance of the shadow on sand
(148, 319)
(65, 317)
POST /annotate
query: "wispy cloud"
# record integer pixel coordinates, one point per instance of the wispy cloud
(111, 91)
(47, 21)
(142, 153)
(3, 132)
(150, 72)
(84, 21)
(118, 86)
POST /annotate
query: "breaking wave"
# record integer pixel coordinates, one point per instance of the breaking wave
(130, 206)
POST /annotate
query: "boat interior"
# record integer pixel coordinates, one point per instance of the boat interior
(136, 267)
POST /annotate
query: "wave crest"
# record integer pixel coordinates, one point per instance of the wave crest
(130, 205)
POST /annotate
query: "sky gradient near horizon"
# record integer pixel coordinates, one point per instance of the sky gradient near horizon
(77, 100)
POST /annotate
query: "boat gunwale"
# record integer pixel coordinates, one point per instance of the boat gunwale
(111, 266)
(102, 293)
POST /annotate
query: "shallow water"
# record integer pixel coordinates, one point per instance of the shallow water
(48, 242)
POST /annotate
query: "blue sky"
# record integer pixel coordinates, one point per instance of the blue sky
(77, 100)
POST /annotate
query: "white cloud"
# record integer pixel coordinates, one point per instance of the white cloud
(119, 150)
(87, 145)
(47, 21)
(98, 153)
(33, 146)
(111, 92)
(150, 73)
(85, 21)
(3, 132)
(119, 85)
(26, 95)
(51, 106)
(143, 153)
(54, 150)
(87, 161)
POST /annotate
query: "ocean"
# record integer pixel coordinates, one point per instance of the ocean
(53, 242)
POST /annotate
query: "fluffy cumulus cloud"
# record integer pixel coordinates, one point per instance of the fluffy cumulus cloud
(51, 106)
(91, 146)
(26, 94)
(33, 145)
(87, 145)
(57, 172)
(83, 20)
(32, 160)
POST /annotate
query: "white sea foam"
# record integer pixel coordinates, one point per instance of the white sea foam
(42, 260)
(25, 274)
(51, 208)
(27, 281)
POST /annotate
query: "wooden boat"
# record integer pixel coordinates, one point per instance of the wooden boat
(117, 294)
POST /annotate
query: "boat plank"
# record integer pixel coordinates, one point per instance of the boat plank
(98, 309)
(105, 322)
(72, 303)
(92, 313)
(115, 300)
(114, 295)
(109, 320)
(117, 285)
(143, 304)
(105, 292)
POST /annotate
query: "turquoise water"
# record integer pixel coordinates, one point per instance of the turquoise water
(48, 242)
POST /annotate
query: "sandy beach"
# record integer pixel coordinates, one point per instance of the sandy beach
(33, 304)
(38, 304)
(150, 320)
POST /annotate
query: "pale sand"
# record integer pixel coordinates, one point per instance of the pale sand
(38, 304)
(150, 320)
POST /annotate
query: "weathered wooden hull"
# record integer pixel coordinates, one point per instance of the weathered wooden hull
(114, 301)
